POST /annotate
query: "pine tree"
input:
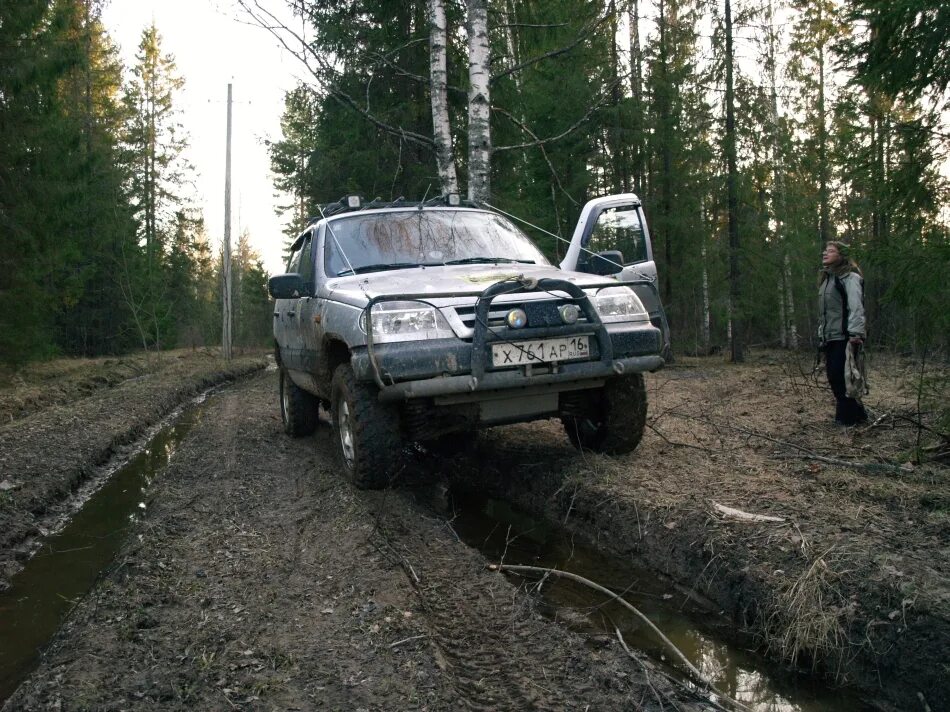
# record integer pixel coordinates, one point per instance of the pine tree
(155, 142)
(252, 306)
(62, 209)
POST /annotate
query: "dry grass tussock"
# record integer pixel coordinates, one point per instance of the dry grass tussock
(809, 620)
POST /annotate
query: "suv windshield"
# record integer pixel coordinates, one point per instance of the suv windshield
(393, 240)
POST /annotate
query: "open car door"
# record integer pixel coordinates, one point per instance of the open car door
(612, 239)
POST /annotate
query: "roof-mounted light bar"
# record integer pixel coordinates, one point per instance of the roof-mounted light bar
(355, 202)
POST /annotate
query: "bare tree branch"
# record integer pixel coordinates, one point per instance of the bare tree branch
(324, 72)
(585, 32)
(540, 144)
(531, 24)
(551, 139)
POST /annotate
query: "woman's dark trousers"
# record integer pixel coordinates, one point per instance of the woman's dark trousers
(848, 411)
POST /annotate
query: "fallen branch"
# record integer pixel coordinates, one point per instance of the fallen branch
(806, 453)
(630, 607)
(406, 640)
(669, 678)
(674, 443)
(744, 516)
(872, 467)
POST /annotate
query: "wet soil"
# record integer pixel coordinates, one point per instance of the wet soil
(65, 419)
(852, 582)
(258, 579)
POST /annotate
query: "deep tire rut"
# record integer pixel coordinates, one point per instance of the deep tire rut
(259, 579)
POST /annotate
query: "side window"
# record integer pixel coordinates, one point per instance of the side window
(618, 229)
(293, 261)
(305, 267)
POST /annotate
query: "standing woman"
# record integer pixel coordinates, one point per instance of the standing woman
(840, 323)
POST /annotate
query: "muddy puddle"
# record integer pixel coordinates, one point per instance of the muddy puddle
(503, 533)
(70, 560)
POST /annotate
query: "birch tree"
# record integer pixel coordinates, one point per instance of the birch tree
(438, 83)
(636, 92)
(479, 102)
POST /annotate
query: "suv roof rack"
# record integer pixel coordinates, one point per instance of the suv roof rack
(355, 203)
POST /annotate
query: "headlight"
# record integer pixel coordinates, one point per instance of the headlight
(619, 304)
(406, 321)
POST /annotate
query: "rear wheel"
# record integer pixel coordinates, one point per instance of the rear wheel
(615, 420)
(367, 437)
(298, 409)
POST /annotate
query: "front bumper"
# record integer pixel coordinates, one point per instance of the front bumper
(425, 369)
(514, 379)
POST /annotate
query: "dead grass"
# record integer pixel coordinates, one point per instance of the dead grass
(42, 384)
(808, 622)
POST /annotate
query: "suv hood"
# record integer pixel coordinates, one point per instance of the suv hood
(462, 280)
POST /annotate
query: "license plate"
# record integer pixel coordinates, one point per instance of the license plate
(518, 353)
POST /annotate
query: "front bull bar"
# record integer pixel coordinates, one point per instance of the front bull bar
(479, 380)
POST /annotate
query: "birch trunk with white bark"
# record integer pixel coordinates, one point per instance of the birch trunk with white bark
(479, 102)
(438, 78)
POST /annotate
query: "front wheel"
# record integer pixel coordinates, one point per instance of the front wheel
(367, 437)
(614, 421)
(298, 408)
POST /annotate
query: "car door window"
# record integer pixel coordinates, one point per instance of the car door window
(293, 261)
(305, 267)
(618, 229)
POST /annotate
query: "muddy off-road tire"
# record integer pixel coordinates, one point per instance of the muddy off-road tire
(298, 409)
(615, 426)
(366, 432)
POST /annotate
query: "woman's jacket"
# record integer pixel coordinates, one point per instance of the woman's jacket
(840, 307)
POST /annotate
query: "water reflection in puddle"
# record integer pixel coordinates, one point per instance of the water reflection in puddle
(503, 533)
(71, 560)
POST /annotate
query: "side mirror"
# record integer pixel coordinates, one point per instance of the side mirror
(605, 263)
(286, 286)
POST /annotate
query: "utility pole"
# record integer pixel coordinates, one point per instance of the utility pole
(227, 310)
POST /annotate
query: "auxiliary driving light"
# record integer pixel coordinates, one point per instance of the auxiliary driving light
(517, 319)
(569, 313)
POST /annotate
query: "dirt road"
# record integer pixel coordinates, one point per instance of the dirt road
(258, 579)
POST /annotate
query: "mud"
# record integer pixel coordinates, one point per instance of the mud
(851, 583)
(54, 441)
(258, 579)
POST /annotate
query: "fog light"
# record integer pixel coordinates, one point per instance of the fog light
(569, 313)
(517, 319)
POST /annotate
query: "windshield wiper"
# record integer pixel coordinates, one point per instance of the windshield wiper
(378, 267)
(486, 260)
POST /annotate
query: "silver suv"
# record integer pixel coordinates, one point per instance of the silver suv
(420, 322)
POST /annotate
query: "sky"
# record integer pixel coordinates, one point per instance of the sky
(214, 44)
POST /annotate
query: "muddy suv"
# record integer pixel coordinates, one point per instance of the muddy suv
(421, 322)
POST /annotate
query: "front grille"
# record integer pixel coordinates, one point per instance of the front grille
(540, 313)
